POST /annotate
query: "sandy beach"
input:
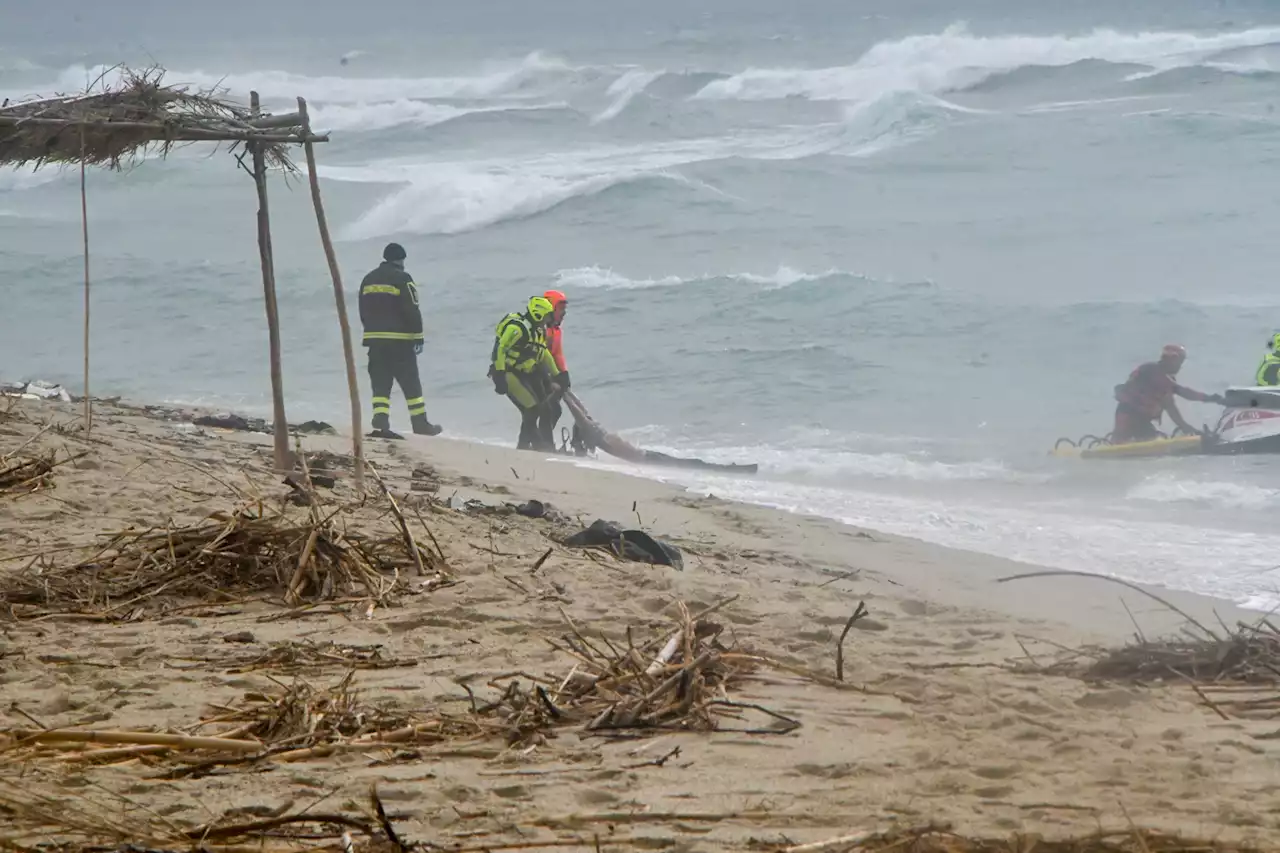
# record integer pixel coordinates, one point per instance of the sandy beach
(962, 700)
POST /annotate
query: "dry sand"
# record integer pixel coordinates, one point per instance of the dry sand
(966, 740)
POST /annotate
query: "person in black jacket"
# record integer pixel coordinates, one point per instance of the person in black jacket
(392, 324)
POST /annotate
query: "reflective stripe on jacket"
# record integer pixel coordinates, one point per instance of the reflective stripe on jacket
(389, 308)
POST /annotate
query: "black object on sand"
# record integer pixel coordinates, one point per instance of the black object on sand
(628, 544)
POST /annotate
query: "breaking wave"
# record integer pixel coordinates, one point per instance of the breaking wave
(457, 196)
(600, 278)
(1166, 489)
(387, 114)
(521, 79)
(956, 59)
(624, 90)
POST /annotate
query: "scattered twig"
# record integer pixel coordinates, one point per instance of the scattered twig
(541, 560)
(858, 612)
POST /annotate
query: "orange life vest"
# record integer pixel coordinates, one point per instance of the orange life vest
(554, 344)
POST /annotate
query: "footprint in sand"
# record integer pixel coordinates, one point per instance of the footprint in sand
(1109, 700)
(826, 771)
(912, 607)
(512, 792)
(996, 771)
(459, 793)
(653, 605)
(597, 798)
(994, 792)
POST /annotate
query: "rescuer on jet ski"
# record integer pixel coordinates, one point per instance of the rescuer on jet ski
(1149, 393)
(1269, 370)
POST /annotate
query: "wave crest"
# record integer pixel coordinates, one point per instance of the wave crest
(1166, 488)
(595, 277)
(956, 59)
(520, 79)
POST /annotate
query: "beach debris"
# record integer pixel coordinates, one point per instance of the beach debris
(25, 476)
(251, 549)
(240, 423)
(314, 428)
(424, 479)
(36, 390)
(858, 613)
(294, 657)
(35, 810)
(679, 680)
(538, 509)
(1236, 673)
(303, 715)
(633, 545)
(1237, 677)
(231, 421)
(42, 813)
(528, 509)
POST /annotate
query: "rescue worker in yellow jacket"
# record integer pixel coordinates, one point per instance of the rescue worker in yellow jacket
(1269, 370)
(522, 367)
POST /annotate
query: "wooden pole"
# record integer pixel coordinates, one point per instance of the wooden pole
(283, 456)
(84, 231)
(339, 297)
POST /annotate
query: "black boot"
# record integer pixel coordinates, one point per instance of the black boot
(422, 426)
(382, 428)
(528, 439)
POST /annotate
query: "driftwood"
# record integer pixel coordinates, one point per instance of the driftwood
(19, 737)
(339, 297)
(683, 687)
(232, 554)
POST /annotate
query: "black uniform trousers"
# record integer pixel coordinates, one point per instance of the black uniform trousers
(394, 362)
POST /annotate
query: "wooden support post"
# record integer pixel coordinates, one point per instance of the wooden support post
(283, 456)
(84, 231)
(340, 299)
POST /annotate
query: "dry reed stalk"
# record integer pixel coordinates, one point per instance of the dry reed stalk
(114, 122)
(28, 476)
(24, 737)
(683, 687)
(252, 549)
(37, 815)
(294, 657)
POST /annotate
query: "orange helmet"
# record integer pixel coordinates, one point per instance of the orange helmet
(1173, 352)
(556, 298)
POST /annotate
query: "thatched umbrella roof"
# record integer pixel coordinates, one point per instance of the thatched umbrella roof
(111, 124)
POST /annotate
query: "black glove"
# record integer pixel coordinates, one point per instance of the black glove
(417, 348)
(563, 380)
(499, 382)
(1218, 398)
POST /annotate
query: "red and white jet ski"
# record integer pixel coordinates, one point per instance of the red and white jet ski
(1249, 424)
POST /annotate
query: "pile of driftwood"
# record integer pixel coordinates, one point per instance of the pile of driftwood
(303, 715)
(679, 680)
(1237, 675)
(294, 722)
(251, 550)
